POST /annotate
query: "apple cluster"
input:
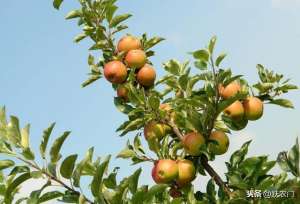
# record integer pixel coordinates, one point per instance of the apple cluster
(132, 57)
(250, 109)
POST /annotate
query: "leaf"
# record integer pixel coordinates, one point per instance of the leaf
(294, 158)
(55, 149)
(118, 19)
(4, 164)
(97, 180)
(25, 136)
(152, 42)
(133, 125)
(111, 180)
(50, 196)
(212, 44)
(126, 153)
(238, 156)
(133, 180)
(12, 186)
(79, 37)
(73, 14)
(68, 165)
(154, 102)
(155, 190)
(220, 59)
(282, 102)
(121, 106)
(3, 121)
(201, 55)
(44, 143)
(90, 80)
(57, 3)
(13, 130)
(28, 154)
(173, 66)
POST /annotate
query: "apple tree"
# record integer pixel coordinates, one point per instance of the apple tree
(186, 118)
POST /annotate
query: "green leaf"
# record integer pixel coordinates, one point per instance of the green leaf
(133, 181)
(121, 106)
(3, 121)
(155, 190)
(154, 102)
(13, 131)
(294, 158)
(201, 55)
(28, 154)
(50, 196)
(220, 59)
(152, 42)
(79, 37)
(44, 143)
(97, 180)
(126, 153)
(4, 164)
(139, 196)
(55, 149)
(25, 136)
(73, 14)
(133, 125)
(12, 186)
(212, 44)
(282, 102)
(68, 165)
(90, 80)
(238, 156)
(111, 180)
(57, 3)
(118, 19)
(173, 66)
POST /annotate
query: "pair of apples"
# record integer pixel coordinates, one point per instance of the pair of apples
(115, 71)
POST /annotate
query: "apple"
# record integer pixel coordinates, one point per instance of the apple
(122, 92)
(165, 171)
(186, 172)
(235, 110)
(223, 142)
(128, 43)
(154, 130)
(146, 76)
(254, 108)
(115, 72)
(192, 143)
(136, 58)
(230, 90)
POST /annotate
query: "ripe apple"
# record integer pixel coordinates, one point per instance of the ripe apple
(235, 110)
(223, 142)
(122, 92)
(136, 58)
(115, 72)
(186, 172)
(146, 75)
(128, 43)
(165, 171)
(154, 130)
(192, 143)
(254, 108)
(230, 90)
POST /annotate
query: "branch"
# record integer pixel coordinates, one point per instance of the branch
(51, 177)
(214, 175)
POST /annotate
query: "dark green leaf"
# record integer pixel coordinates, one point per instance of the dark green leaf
(220, 59)
(282, 102)
(57, 3)
(118, 19)
(67, 166)
(133, 180)
(50, 196)
(55, 149)
(201, 55)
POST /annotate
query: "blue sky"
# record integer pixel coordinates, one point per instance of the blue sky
(42, 69)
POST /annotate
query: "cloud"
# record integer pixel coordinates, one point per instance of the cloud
(285, 3)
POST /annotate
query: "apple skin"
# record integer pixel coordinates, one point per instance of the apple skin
(165, 171)
(128, 43)
(235, 110)
(146, 76)
(230, 90)
(186, 172)
(165, 107)
(254, 108)
(115, 72)
(192, 143)
(223, 142)
(136, 58)
(122, 92)
(154, 130)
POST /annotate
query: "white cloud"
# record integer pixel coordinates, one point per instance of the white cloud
(285, 3)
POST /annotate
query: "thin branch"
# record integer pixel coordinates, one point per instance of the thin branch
(51, 177)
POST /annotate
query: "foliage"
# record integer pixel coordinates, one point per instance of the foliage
(193, 100)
